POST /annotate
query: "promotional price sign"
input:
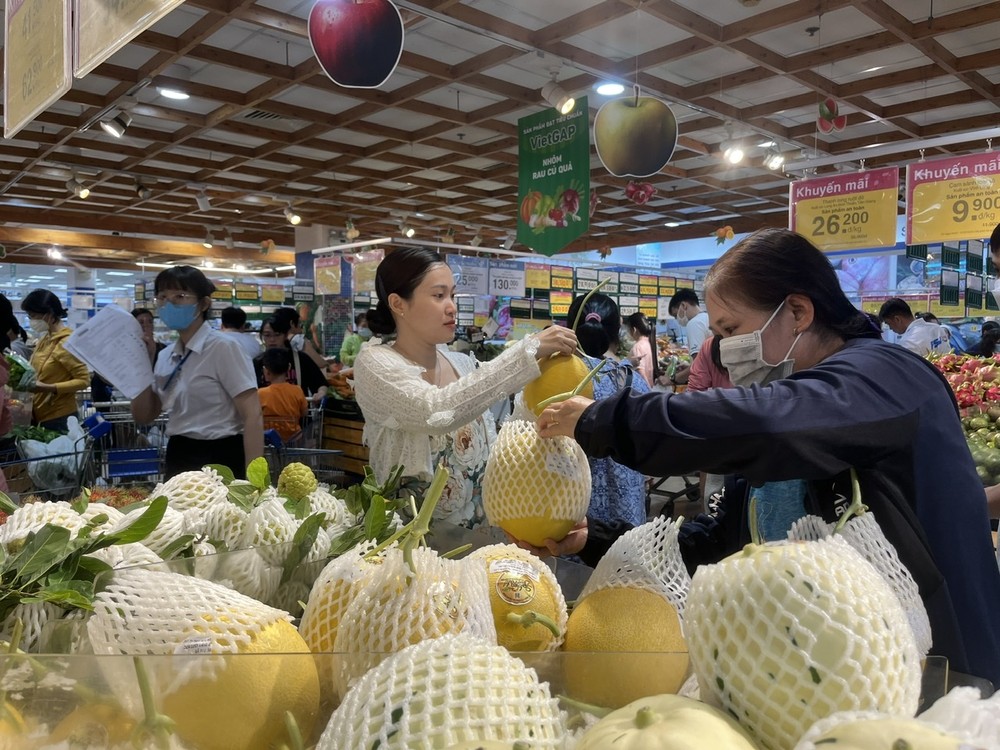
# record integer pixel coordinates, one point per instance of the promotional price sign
(273, 294)
(536, 276)
(846, 211)
(553, 185)
(955, 198)
(328, 275)
(506, 278)
(649, 285)
(561, 277)
(223, 291)
(471, 274)
(559, 303)
(37, 59)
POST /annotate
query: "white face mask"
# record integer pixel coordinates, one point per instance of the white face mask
(743, 357)
(38, 326)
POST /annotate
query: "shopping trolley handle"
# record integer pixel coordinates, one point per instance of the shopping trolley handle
(96, 426)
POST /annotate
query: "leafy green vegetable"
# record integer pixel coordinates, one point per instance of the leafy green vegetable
(34, 432)
(259, 474)
(52, 566)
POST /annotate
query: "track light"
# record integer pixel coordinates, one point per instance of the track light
(509, 242)
(117, 125)
(181, 74)
(230, 242)
(732, 150)
(556, 96)
(76, 187)
(291, 217)
(477, 240)
(54, 253)
(405, 229)
(209, 241)
(203, 201)
(773, 158)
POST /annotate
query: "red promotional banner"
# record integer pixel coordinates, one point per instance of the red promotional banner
(846, 211)
(955, 198)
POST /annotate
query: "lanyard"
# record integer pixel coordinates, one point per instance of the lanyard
(177, 370)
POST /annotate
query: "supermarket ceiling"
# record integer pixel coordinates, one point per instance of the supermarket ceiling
(436, 145)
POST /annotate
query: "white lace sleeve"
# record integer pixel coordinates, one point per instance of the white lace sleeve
(392, 393)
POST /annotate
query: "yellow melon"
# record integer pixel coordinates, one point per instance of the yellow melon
(627, 644)
(561, 373)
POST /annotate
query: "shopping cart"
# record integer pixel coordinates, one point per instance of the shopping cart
(52, 471)
(299, 445)
(127, 453)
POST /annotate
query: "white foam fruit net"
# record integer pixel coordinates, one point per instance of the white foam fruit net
(268, 528)
(247, 572)
(865, 535)
(967, 721)
(192, 489)
(395, 606)
(225, 523)
(33, 516)
(93, 510)
(646, 557)
(782, 635)
(508, 564)
(456, 688)
(530, 476)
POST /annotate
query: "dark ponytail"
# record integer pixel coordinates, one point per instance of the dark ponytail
(8, 323)
(599, 326)
(400, 272)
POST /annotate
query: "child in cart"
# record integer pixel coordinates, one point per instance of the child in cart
(283, 404)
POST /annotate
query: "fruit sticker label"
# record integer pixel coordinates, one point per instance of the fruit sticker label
(954, 198)
(553, 178)
(196, 644)
(516, 588)
(847, 211)
(516, 567)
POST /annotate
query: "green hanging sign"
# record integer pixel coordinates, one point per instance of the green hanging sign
(553, 193)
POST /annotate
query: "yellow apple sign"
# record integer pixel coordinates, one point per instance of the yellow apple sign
(635, 136)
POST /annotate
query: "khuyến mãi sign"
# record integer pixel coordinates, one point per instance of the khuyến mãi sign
(955, 198)
(846, 211)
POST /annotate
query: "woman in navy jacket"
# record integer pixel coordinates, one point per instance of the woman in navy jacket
(838, 398)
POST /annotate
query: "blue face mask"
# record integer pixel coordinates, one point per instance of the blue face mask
(177, 317)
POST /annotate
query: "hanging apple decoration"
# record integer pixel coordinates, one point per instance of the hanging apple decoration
(829, 119)
(635, 136)
(357, 42)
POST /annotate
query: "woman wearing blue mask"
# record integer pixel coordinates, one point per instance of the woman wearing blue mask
(204, 382)
(817, 394)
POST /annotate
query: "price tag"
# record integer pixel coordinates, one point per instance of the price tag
(506, 279)
(954, 198)
(195, 644)
(846, 211)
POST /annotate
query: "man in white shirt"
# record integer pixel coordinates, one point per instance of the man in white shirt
(233, 322)
(920, 336)
(686, 308)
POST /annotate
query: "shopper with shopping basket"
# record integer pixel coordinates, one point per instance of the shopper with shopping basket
(204, 382)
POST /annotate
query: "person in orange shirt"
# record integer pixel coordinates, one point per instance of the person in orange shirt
(283, 404)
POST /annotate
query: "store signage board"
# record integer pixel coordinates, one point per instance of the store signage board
(273, 294)
(247, 292)
(327, 276)
(472, 275)
(561, 277)
(506, 278)
(553, 187)
(537, 276)
(37, 56)
(559, 303)
(363, 265)
(955, 198)
(223, 291)
(846, 211)
(649, 285)
(105, 26)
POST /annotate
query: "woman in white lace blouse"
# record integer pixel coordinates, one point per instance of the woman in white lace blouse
(423, 404)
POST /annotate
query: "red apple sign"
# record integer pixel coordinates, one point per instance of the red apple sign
(357, 42)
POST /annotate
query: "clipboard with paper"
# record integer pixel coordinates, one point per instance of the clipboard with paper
(111, 344)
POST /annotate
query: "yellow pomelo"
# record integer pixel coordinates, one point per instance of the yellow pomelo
(631, 647)
(560, 374)
(521, 583)
(535, 488)
(243, 705)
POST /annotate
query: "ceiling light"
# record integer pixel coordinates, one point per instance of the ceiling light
(284, 268)
(76, 187)
(477, 240)
(610, 89)
(405, 229)
(209, 241)
(230, 242)
(239, 267)
(732, 149)
(55, 254)
(291, 217)
(142, 192)
(556, 96)
(203, 201)
(774, 159)
(207, 264)
(873, 69)
(118, 273)
(509, 242)
(117, 125)
(173, 90)
(672, 224)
